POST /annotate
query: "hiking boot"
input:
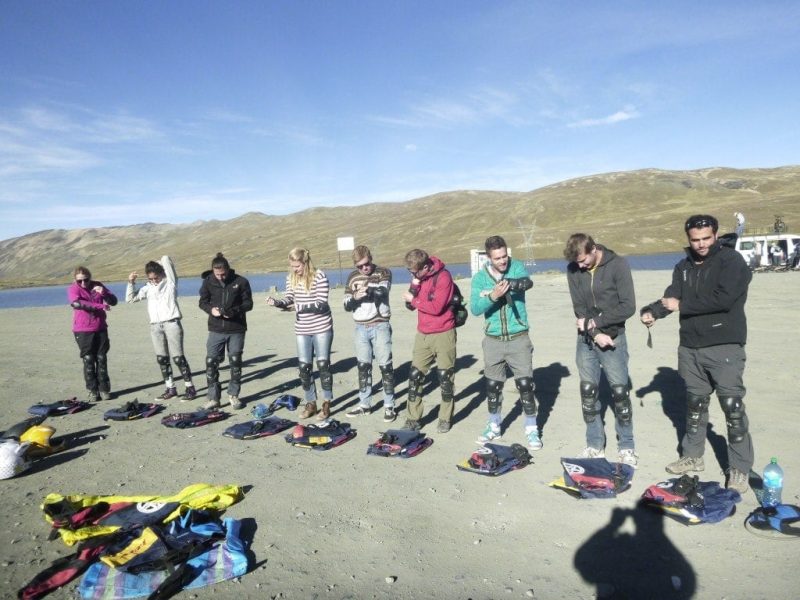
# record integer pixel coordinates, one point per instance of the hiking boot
(325, 411)
(309, 410)
(211, 405)
(92, 396)
(358, 411)
(443, 426)
(190, 393)
(389, 414)
(738, 481)
(590, 452)
(235, 403)
(490, 433)
(105, 395)
(168, 394)
(686, 464)
(412, 425)
(534, 441)
(628, 457)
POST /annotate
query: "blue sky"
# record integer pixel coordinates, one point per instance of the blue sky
(114, 112)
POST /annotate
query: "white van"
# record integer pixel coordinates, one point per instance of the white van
(758, 250)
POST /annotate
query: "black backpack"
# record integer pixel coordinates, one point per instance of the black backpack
(458, 306)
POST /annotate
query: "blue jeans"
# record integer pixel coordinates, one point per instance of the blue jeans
(592, 361)
(374, 341)
(319, 346)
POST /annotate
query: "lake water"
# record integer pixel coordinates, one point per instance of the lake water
(54, 295)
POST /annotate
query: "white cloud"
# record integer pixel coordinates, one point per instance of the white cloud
(410, 148)
(626, 114)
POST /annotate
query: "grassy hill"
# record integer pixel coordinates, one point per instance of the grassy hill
(632, 212)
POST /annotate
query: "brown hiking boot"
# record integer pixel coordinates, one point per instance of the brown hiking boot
(309, 410)
(685, 465)
(325, 411)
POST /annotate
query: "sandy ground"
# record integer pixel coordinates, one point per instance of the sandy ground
(340, 524)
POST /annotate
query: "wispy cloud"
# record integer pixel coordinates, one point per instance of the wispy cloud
(626, 114)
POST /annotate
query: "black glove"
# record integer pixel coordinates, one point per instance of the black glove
(523, 284)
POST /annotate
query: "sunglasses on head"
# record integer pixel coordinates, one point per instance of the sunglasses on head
(699, 223)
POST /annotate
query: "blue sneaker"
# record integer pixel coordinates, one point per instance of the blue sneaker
(490, 434)
(534, 441)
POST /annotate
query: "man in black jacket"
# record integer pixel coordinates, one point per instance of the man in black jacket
(709, 290)
(226, 297)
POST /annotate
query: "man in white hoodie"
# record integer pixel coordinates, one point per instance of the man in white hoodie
(166, 331)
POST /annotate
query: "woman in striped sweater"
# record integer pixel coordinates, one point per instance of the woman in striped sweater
(307, 294)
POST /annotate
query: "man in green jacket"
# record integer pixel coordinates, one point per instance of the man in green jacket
(498, 293)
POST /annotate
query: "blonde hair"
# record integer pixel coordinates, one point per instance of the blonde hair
(304, 256)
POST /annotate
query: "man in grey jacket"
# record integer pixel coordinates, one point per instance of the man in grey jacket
(601, 288)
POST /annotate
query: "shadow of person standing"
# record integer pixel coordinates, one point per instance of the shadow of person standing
(641, 564)
(669, 384)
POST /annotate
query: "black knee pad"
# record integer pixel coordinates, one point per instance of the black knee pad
(735, 417)
(90, 371)
(325, 375)
(212, 368)
(623, 410)
(696, 407)
(526, 389)
(589, 401)
(235, 361)
(494, 391)
(446, 382)
(364, 376)
(163, 364)
(102, 372)
(305, 375)
(387, 378)
(416, 379)
(183, 367)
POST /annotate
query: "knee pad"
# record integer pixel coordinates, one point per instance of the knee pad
(163, 363)
(526, 387)
(589, 401)
(325, 375)
(621, 396)
(235, 361)
(90, 369)
(696, 407)
(387, 378)
(494, 398)
(446, 377)
(735, 417)
(364, 376)
(305, 375)
(212, 368)
(416, 379)
(102, 371)
(183, 367)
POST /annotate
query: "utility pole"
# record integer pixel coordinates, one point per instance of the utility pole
(527, 237)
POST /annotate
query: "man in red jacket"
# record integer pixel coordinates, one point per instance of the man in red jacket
(430, 295)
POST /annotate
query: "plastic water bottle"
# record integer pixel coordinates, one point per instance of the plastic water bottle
(772, 484)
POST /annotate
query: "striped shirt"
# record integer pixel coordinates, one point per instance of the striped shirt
(315, 299)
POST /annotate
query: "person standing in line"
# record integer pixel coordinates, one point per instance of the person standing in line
(226, 298)
(430, 294)
(90, 301)
(166, 330)
(709, 291)
(601, 289)
(366, 295)
(307, 290)
(498, 293)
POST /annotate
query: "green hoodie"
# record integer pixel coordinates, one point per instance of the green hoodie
(506, 317)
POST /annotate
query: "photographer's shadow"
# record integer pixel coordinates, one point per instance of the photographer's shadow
(641, 564)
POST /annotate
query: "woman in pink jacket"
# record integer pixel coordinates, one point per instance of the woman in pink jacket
(90, 300)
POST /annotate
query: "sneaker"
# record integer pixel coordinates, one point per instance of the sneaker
(389, 414)
(235, 403)
(358, 411)
(627, 456)
(92, 396)
(738, 481)
(168, 394)
(590, 452)
(686, 464)
(534, 441)
(412, 425)
(189, 394)
(443, 426)
(211, 405)
(490, 433)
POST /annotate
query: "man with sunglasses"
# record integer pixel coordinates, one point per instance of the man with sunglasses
(166, 331)
(709, 290)
(430, 294)
(366, 295)
(90, 301)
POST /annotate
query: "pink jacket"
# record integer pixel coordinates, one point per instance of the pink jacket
(432, 300)
(89, 315)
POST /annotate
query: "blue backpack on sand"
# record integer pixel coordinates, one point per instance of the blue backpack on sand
(402, 443)
(496, 459)
(257, 428)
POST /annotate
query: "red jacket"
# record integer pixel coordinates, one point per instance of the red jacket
(432, 300)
